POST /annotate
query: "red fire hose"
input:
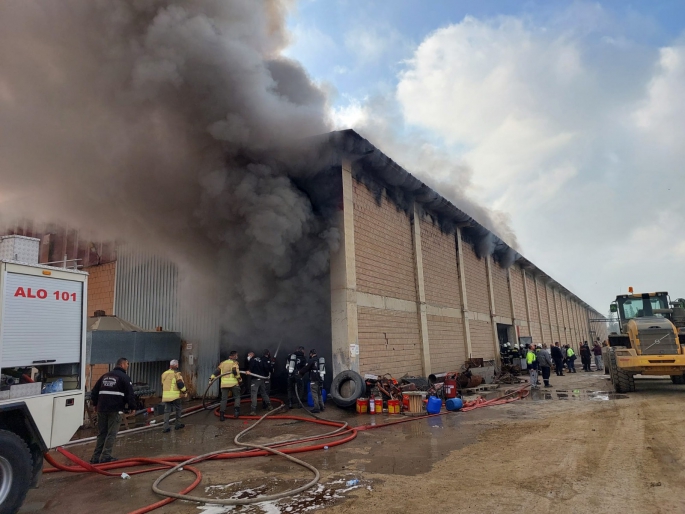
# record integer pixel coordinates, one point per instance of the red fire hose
(343, 433)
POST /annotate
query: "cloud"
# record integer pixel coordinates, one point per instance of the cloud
(370, 44)
(575, 129)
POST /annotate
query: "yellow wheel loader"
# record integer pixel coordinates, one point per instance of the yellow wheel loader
(652, 332)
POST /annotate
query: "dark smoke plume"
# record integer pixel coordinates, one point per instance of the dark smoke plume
(154, 122)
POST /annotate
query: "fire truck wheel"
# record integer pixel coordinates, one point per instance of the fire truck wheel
(15, 471)
(347, 386)
(678, 379)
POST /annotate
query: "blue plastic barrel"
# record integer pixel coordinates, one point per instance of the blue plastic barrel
(434, 405)
(454, 404)
(310, 402)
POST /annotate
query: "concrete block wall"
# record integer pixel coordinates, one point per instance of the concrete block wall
(446, 335)
(383, 244)
(477, 295)
(416, 300)
(440, 272)
(388, 342)
(101, 288)
(500, 285)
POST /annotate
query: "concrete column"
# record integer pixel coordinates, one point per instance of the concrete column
(464, 303)
(537, 301)
(513, 311)
(491, 294)
(421, 290)
(344, 326)
(560, 320)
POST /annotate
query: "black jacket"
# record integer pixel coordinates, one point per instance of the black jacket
(313, 368)
(300, 362)
(556, 354)
(113, 392)
(261, 366)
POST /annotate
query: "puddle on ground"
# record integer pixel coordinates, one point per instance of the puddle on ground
(574, 394)
(318, 497)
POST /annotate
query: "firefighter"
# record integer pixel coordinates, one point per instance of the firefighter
(262, 366)
(316, 368)
(173, 389)
(230, 381)
(113, 395)
(296, 361)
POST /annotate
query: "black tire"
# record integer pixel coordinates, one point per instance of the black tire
(678, 379)
(623, 382)
(37, 468)
(16, 467)
(341, 381)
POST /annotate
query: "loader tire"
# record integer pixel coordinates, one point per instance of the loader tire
(678, 379)
(347, 386)
(623, 382)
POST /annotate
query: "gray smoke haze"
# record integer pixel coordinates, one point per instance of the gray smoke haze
(382, 124)
(152, 122)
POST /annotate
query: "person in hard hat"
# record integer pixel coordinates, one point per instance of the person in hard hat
(532, 362)
(113, 396)
(315, 381)
(259, 371)
(296, 361)
(558, 358)
(173, 389)
(229, 370)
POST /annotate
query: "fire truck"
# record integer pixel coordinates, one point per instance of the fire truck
(42, 364)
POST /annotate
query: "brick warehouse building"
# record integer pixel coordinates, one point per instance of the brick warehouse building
(410, 293)
(417, 285)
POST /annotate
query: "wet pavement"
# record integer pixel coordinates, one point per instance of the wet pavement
(407, 449)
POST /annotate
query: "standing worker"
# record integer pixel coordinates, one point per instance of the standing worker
(558, 358)
(317, 370)
(113, 395)
(586, 356)
(597, 351)
(532, 362)
(230, 381)
(570, 359)
(545, 364)
(263, 367)
(296, 361)
(173, 389)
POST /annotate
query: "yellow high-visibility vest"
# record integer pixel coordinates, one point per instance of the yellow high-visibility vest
(570, 352)
(170, 390)
(531, 357)
(228, 380)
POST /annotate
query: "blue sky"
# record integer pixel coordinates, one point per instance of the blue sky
(557, 117)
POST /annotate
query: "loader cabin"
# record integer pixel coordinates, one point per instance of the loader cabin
(643, 305)
(636, 305)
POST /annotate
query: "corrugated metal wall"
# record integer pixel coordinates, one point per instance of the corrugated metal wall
(149, 293)
(149, 373)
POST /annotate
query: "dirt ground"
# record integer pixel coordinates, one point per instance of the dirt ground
(571, 448)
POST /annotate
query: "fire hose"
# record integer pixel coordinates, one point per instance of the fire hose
(178, 463)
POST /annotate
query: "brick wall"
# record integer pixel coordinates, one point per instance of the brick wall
(532, 301)
(542, 292)
(477, 296)
(101, 288)
(523, 331)
(389, 342)
(518, 293)
(446, 336)
(383, 247)
(440, 274)
(482, 344)
(500, 286)
(536, 332)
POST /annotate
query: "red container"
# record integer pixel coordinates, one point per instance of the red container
(362, 406)
(405, 402)
(450, 386)
(393, 406)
